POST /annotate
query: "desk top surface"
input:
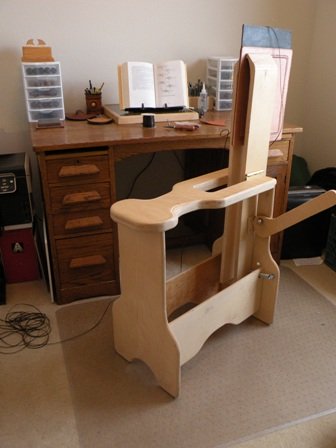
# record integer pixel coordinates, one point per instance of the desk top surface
(81, 134)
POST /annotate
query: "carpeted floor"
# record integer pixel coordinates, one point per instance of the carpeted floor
(247, 379)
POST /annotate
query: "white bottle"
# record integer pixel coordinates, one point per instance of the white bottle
(203, 101)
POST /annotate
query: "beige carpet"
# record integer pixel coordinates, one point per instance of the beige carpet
(247, 379)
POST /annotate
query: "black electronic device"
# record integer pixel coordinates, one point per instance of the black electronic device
(330, 253)
(307, 238)
(7, 183)
(15, 190)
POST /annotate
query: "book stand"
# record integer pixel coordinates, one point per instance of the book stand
(124, 117)
(239, 279)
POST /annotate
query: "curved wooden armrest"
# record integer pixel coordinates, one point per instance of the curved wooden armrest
(162, 213)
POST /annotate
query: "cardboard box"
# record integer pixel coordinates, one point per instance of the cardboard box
(36, 51)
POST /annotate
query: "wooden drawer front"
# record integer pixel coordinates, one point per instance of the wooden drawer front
(85, 260)
(80, 197)
(82, 222)
(78, 169)
(278, 151)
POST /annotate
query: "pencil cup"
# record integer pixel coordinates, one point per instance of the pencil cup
(93, 103)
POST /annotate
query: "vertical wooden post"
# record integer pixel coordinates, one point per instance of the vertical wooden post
(251, 129)
(139, 316)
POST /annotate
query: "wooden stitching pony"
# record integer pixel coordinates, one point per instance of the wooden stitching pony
(240, 278)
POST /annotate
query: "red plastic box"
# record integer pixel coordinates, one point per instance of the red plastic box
(19, 255)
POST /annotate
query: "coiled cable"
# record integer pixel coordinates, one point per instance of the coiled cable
(31, 329)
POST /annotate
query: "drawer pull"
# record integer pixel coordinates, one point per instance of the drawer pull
(80, 198)
(84, 262)
(81, 223)
(78, 170)
(275, 153)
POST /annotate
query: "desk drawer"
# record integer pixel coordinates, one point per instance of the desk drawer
(85, 260)
(279, 151)
(82, 222)
(78, 169)
(80, 197)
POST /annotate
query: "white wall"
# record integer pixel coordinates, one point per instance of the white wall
(90, 38)
(319, 99)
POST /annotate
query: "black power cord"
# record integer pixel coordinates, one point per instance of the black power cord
(31, 329)
(139, 174)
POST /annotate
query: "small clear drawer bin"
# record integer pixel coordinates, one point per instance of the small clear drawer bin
(43, 90)
(220, 71)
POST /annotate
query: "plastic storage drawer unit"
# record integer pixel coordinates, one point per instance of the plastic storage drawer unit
(220, 80)
(43, 91)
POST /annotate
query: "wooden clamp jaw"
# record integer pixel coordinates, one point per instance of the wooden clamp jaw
(265, 227)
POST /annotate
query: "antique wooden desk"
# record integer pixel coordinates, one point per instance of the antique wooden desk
(77, 167)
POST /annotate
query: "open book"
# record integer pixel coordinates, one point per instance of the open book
(143, 85)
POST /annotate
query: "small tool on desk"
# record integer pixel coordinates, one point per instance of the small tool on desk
(183, 125)
(218, 122)
(148, 120)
